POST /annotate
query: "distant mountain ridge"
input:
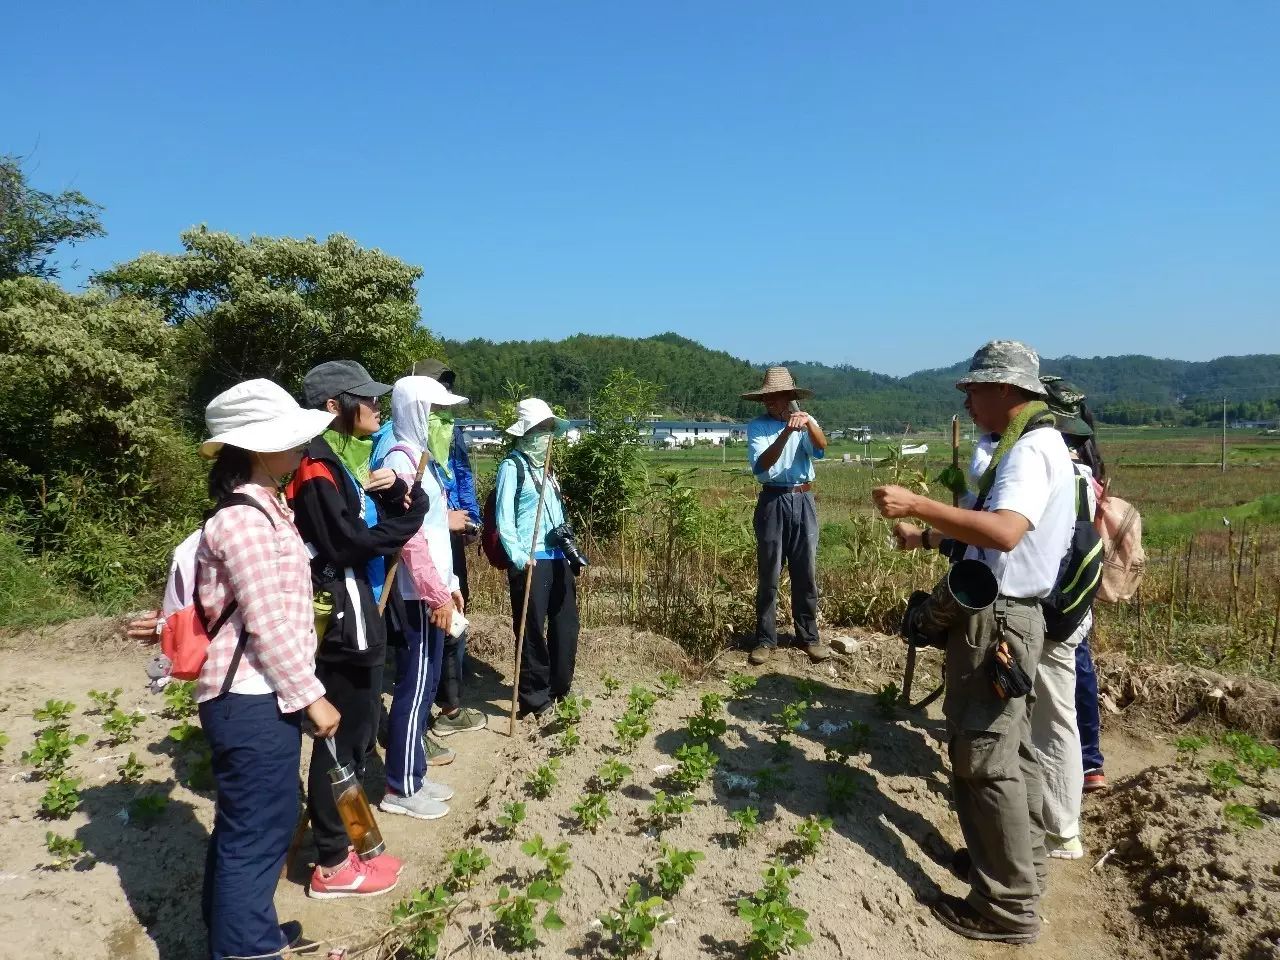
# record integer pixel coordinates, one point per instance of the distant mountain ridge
(700, 383)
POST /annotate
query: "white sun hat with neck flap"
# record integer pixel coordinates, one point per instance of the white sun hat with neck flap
(260, 416)
(530, 413)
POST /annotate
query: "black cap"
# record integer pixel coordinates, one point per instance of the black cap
(329, 379)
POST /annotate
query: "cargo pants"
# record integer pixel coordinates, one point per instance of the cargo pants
(995, 774)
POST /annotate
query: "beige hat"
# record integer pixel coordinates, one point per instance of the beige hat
(777, 380)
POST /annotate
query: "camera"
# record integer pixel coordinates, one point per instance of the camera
(564, 538)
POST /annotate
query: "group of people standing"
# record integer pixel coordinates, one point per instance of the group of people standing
(336, 544)
(1019, 764)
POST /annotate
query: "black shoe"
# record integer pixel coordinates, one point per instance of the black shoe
(292, 931)
(535, 712)
(961, 864)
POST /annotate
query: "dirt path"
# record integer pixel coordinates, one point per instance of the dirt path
(864, 889)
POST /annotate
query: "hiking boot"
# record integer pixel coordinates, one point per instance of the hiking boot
(817, 651)
(438, 755)
(354, 878)
(419, 806)
(1094, 780)
(761, 654)
(464, 721)
(1063, 848)
(957, 915)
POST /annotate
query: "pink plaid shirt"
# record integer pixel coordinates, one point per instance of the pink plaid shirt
(268, 572)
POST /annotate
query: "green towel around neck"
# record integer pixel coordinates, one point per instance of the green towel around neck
(1033, 412)
(354, 452)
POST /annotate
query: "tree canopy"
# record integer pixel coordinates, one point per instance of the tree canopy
(34, 223)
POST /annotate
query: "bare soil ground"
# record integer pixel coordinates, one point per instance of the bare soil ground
(1180, 882)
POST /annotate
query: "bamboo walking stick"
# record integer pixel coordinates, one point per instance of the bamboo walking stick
(528, 587)
(395, 562)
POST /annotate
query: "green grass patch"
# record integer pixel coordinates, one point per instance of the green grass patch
(29, 595)
(1164, 529)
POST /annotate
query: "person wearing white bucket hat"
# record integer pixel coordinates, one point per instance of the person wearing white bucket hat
(550, 648)
(431, 595)
(258, 679)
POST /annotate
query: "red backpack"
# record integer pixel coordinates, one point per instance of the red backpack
(490, 543)
(186, 635)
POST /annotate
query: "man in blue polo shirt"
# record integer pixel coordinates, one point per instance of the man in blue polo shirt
(782, 445)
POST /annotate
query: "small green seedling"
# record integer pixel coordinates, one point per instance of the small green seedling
(464, 866)
(1256, 756)
(769, 780)
(809, 833)
(780, 749)
(748, 821)
(186, 734)
(555, 860)
(1224, 777)
(887, 700)
(1242, 815)
(841, 789)
(707, 724)
(791, 717)
(611, 684)
(667, 809)
(631, 924)
(806, 689)
(543, 780)
(104, 701)
(670, 682)
(511, 817)
(777, 881)
(674, 868)
(777, 929)
(120, 726)
(695, 762)
(611, 774)
(4, 740)
(66, 851)
(630, 729)
(60, 798)
(514, 915)
(853, 742)
(55, 713)
(641, 700)
(740, 684)
(592, 811)
(571, 709)
(180, 699)
(421, 920)
(131, 770)
(1189, 747)
(52, 751)
(568, 741)
(146, 810)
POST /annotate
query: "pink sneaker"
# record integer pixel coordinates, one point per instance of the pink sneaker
(387, 864)
(354, 878)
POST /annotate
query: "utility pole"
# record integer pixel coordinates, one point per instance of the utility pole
(1224, 434)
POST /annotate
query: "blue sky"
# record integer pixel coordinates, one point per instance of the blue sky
(881, 184)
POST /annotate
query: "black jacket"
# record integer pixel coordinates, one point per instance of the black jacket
(326, 506)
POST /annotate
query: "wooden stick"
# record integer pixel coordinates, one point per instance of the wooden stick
(395, 562)
(528, 588)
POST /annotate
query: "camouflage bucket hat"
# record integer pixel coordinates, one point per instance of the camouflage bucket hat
(1005, 361)
(1064, 399)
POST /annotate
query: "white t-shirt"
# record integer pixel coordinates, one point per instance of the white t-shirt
(1037, 480)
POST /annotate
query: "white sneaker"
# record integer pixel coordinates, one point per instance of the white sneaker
(419, 805)
(1063, 848)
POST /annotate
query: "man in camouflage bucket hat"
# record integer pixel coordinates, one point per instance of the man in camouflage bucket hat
(1020, 526)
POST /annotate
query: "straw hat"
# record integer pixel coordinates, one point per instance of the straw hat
(777, 380)
(259, 415)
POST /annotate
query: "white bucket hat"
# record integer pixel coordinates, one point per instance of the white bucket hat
(259, 415)
(530, 413)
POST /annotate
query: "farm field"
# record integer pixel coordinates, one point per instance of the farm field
(802, 744)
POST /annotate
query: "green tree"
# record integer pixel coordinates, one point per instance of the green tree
(276, 306)
(34, 223)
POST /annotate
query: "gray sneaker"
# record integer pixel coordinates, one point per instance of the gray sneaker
(438, 755)
(436, 790)
(419, 805)
(464, 721)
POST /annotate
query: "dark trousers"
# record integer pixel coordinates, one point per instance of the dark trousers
(256, 750)
(349, 688)
(417, 674)
(449, 697)
(551, 632)
(1088, 717)
(786, 527)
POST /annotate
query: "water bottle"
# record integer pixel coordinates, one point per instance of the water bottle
(353, 807)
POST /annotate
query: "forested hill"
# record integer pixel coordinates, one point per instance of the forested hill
(699, 383)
